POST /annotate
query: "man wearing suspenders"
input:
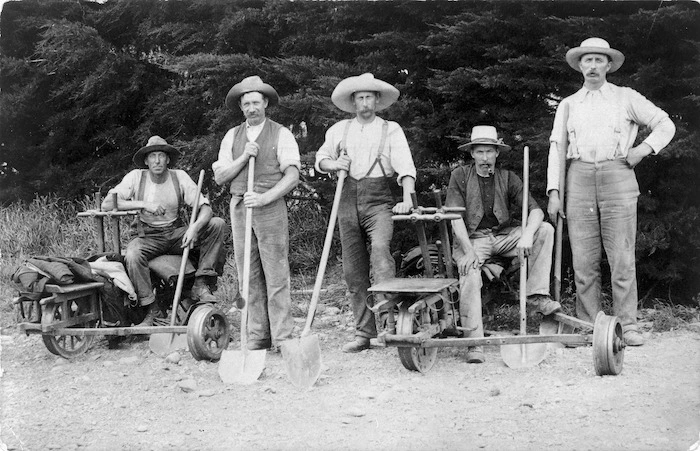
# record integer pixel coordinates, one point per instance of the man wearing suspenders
(158, 193)
(375, 154)
(276, 167)
(596, 129)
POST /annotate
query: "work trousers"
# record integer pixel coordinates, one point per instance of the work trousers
(269, 300)
(364, 215)
(157, 241)
(601, 211)
(486, 245)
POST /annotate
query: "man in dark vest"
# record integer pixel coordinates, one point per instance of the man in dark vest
(158, 193)
(277, 165)
(487, 229)
(376, 156)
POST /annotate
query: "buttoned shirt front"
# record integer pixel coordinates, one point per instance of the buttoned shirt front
(362, 146)
(602, 125)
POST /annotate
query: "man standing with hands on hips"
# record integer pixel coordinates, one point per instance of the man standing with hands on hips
(277, 167)
(375, 154)
(597, 127)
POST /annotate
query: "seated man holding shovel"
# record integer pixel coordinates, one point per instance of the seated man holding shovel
(487, 230)
(158, 192)
(276, 172)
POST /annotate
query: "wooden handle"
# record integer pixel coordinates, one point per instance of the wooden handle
(562, 146)
(186, 252)
(247, 246)
(324, 255)
(523, 258)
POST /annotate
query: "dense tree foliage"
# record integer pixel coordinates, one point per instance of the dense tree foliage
(84, 84)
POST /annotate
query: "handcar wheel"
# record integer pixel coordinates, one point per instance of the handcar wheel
(608, 345)
(415, 358)
(69, 346)
(207, 333)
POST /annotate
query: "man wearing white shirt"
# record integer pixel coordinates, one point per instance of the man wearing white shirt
(375, 154)
(277, 167)
(158, 192)
(600, 124)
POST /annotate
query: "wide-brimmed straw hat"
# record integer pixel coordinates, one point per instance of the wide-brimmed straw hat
(155, 144)
(484, 134)
(595, 45)
(342, 94)
(251, 84)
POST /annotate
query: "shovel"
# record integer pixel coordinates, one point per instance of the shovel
(302, 356)
(244, 366)
(164, 344)
(525, 354)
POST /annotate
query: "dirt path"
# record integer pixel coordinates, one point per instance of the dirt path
(130, 399)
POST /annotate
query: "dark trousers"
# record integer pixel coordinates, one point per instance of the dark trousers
(365, 215)
(158, 241)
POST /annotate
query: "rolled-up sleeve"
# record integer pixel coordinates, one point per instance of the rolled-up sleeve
(287, 150)
(329, 149)
(225, 158)
(126, 189)
(401, 158)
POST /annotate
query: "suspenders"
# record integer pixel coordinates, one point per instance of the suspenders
(142, 189)
(382, 143)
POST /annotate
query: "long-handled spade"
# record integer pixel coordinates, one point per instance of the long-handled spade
(549, 326)
(244, 366)
(524, 354)
(302, 356)
(163, 344)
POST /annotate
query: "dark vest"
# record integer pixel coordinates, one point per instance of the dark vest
(471, 192)
(267, 167)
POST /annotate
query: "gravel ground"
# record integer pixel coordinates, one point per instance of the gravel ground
(131, 399)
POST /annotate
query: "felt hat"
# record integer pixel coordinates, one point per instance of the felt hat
(155, 144)
(484, 134)
(342, 94)
(595, 45)
(251, 84)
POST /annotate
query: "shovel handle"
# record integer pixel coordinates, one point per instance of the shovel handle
(562, 146)
(247, 246)
(523, 258)
(186, 251)
(324, 255)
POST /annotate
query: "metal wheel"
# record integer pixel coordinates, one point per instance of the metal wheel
(608, 345)
(69, 346)
(207, 333)
(415, 358)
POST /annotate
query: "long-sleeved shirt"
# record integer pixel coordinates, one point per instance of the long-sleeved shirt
(362, 146)
(603, 124)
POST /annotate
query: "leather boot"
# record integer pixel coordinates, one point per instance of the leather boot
(475, 354)
(201, 291)
(153, 311)
(360, 344)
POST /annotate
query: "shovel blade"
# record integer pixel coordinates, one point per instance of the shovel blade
(164, 344)
(523, 355)
(550, 327)
(302, 360)
(241, 367)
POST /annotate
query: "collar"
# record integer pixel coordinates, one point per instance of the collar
(606, 91)
(255, 127)
(376, 121)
